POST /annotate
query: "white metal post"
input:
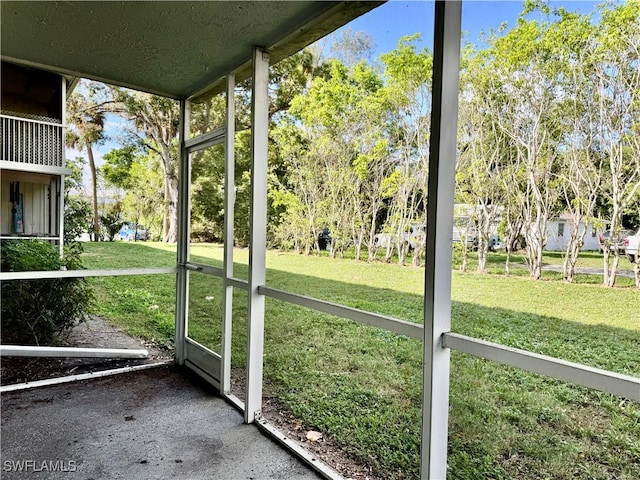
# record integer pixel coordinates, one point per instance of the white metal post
(182, 277)
(437, 295)
(63, 133)
(60, 212)
(258, 233)
(229, 204)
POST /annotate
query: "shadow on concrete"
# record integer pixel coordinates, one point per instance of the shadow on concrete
(161, 423)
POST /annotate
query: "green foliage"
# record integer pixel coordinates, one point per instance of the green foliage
(156, 119)
(144, 204)
(86, 112)
(77, 210)
(407, 68)
(35, 312)
(288, 79)
(112, 220)
(457, 254)
(336, 159)
(208, 192)
(117, 169)
(87, 116)
(141, 177)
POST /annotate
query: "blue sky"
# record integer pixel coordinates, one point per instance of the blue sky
(396, 19)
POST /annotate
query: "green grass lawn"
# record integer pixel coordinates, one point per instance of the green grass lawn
(361, 385)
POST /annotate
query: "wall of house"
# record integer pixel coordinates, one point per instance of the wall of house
(37, 96)
(39, 204)
(558, 237)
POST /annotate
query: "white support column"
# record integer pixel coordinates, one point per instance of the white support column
(437, 295)
(229, 204)
(182, 277)
(258, 233)
(60, 212)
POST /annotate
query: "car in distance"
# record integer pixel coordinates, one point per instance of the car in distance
(415, 235)
(632, 246)
(605, 239)
(130, 232)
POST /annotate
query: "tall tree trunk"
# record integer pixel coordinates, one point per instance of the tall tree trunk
(417, 254)
(94, 192)
(171, 200)
(165, 213)
(389, 252)
(465, 253)
(610, 274)
(576, 241)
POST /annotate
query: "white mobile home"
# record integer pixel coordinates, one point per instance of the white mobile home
(559, 232)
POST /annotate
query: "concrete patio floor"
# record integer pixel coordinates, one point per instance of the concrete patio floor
(160, 423)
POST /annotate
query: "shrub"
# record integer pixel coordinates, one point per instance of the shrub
(112, 221)
(76, 212)
(457, 254)
(35, 312)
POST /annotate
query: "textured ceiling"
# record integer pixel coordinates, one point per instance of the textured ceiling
(170, 48)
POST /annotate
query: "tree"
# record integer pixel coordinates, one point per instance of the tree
(617, 77)
(157, 119)
(581, 168)
(86, 117)
(300, 193)
(140, 176)
(341, 115)
(525, 80)
(117, 169)
(352, 48)
(287, 79)
(408, 89)
(481, 155)
(76, 209)
(111, 220)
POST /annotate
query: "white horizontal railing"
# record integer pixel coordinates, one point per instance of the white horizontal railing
(37, 275)
(70, 352)
(205, 140)
(575, 373)
(400, 327)
(81, 376)
(32, 142)
(202, 268)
